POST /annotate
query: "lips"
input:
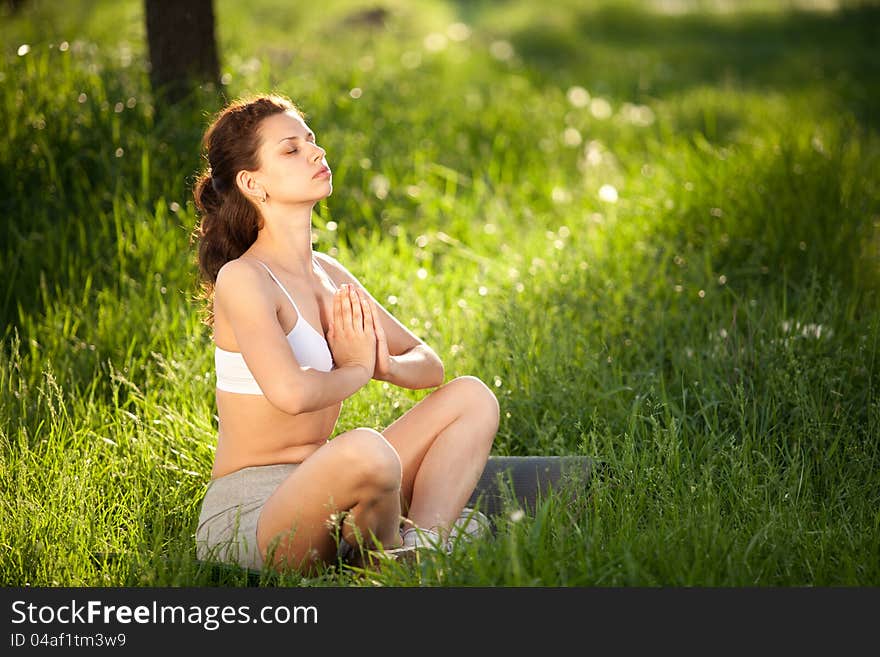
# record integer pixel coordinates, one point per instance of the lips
(325, 171)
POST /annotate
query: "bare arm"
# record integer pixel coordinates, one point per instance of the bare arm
(402, 357)
(241, 292)
(418, 367)
(316, 389)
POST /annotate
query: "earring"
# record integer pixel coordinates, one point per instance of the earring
(263, 200)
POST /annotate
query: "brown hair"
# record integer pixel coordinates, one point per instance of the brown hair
(229, 221)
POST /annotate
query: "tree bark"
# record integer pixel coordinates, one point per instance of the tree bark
(13, 5)
(182, 45)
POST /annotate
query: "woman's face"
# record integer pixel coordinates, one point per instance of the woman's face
(293, 169)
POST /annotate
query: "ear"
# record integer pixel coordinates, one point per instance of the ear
(248, 185)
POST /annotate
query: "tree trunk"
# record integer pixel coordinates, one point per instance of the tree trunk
(13, 5)
(183, 50)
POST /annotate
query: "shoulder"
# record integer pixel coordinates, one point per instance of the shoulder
(239, 278)
(335, 269)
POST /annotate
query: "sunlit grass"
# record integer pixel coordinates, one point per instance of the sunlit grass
(656, 256)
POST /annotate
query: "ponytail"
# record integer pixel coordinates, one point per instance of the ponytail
(229, 225)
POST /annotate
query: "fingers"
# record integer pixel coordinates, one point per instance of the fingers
(366, 304)
(345, 303)
(354, 310)
(337, 311)
(374, 313)
(357, 314)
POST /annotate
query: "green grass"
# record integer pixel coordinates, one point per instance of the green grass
(709, 339)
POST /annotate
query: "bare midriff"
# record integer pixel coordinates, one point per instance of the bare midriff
(254, 432)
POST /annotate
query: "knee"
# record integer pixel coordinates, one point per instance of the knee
(479, 399)
(372, 460)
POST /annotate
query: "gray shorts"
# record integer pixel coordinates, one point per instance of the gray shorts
(227, 529)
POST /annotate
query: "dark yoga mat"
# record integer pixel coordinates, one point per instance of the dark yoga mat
(527, 477)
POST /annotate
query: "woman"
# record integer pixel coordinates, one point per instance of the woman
(296, 334)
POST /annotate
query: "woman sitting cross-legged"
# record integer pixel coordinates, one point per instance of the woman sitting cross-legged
(296, 334)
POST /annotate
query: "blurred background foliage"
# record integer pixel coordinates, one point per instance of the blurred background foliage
(650, 227)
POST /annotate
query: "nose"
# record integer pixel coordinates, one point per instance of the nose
(319, 153)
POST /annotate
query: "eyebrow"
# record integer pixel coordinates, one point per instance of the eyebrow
(311, 134)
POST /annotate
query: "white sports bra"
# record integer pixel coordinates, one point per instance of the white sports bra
(309, 347)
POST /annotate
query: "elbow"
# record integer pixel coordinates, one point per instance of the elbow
(288, 398)
(287, 402)
(439, 373)
(432, 370)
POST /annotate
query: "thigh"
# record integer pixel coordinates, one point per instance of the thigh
(302, 508)
(413, 433)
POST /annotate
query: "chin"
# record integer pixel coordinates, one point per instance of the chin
(313, 197)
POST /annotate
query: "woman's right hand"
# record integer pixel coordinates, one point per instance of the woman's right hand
(351, 336)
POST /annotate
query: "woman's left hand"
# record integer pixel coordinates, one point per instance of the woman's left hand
(382, 371)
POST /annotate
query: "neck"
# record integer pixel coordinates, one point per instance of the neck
(286, 239)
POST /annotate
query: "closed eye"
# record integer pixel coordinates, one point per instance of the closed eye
(309, 137)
